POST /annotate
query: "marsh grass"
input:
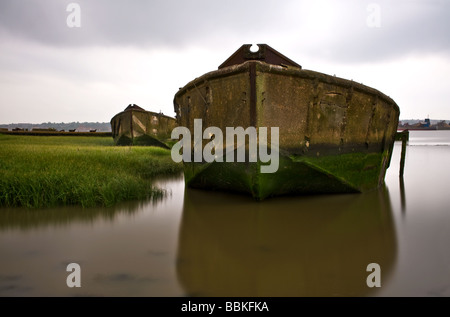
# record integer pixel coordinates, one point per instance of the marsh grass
(38, 171)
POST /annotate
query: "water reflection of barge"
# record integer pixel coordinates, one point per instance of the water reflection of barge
(335, 135)
(292, 246)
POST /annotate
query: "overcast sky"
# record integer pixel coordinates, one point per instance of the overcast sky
(88, 61)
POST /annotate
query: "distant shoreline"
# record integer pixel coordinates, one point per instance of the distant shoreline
(59, 126)
(433, 128)
(57, 133)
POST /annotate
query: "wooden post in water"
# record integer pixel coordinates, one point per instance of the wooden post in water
(404, 136)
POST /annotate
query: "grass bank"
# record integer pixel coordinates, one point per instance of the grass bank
(38, 171)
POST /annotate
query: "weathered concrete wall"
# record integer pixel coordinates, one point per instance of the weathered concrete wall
(313, 111)
(319, 112)
(336, 133)
(221, 101)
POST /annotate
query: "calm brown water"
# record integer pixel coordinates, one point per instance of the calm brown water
(201, 243)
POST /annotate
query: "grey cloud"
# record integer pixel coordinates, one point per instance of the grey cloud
(115, 22)
(406, 25)
(419, 27)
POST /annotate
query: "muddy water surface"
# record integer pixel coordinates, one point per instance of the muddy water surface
(200, 243)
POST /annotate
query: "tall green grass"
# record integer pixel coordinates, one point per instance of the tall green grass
(37, 171)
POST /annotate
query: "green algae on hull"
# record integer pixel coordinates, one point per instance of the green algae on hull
(344, 173)
(140, 140)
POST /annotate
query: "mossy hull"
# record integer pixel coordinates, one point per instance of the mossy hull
(140, 140)
(344, 173)
(335, 135)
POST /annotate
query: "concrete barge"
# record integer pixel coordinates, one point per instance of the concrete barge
(335, 135)
(137, 126)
